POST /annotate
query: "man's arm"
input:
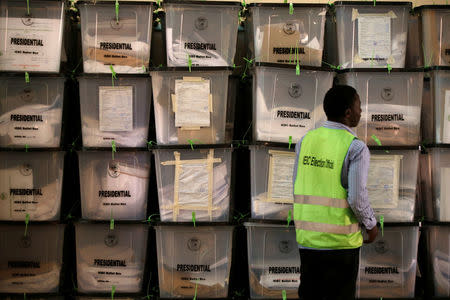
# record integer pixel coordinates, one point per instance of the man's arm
(358, 198)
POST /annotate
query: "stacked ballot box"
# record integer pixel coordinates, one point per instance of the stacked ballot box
(391, 105)
(114, 188)
(272, 186)
(273, 261)
(439, 258)
(194, 182)
(119, 38)
(31, 261)
(371, 36)
(110, 258)
(194, 261)
(435, 36)
(387, 267)
(278, 35)
(192, 105)
(200, 33)
(32, 35)
(287, 105)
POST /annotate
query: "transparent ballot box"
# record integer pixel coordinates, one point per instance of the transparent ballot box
(435, 35)
(391, 106)
(31, 39)
(31, 183)
(276, 35)
(193, 181)
(440, 174)
(439, 249)
(204, 34)
(31, 260)
(194, 261)
(114, 188)
(121, 41)
(273, 261)
(107, 258)
(387, 267)
(191, 105)
(286, 104)
(391, 184)
(272, 171)
(372, 36)
(31, 113)
(439, 108)
(118, 113)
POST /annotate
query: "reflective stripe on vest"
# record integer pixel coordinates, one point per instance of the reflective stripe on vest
(327, 228)
(318, 200)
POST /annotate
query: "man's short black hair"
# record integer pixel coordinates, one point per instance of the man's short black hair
(337, 100)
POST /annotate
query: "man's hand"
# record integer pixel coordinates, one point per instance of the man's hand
(372, 234)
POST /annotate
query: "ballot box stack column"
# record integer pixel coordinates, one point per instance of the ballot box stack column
(435, 39)
(114, 161)
(193, 152)
(371, 57)
(31, 156)
(286, 46)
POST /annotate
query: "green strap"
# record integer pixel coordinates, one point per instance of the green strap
(27, 220)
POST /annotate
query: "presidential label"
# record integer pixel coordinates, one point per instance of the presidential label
(281, 277)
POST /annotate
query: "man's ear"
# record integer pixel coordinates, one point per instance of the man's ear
(348, 113)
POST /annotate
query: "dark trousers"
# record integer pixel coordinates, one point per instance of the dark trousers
(328, 274)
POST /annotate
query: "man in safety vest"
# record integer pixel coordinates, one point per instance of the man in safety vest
(331, 200)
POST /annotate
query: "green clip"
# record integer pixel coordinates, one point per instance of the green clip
(376, 139)
(283, 293)
(243, 3)
(111, 224)
(144, 68)
(28, 7)
(389, 68)
(27, 77)
(113, 291)
(158, 2)
(289, 218)
(297, 67)
(26, 147)
(113, 74)
(117, 11)
(285, 1)
(195, 292)
(193, 217)
(150, 144)
(330, 3)
(291, 8)
(191, 142)
(27, 220)
(374, 2)
(189, 62)
(382, 225)
(113, 148)
(290, 141)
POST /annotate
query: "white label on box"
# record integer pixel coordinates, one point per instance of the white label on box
(115, 108)
(446, 119)
(374, 37)
(290, 121)
(383, 181)
(280, 281)
(444, 201)
(382, 276)
(192, 103)
(17, 192)
(193, 185)
(30, 44)
(282, 172)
